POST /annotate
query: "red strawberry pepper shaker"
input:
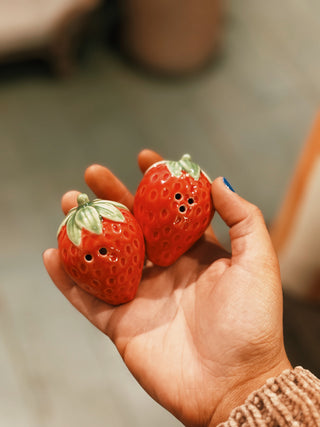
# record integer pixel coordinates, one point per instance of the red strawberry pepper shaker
(173, 206)
(102, 249)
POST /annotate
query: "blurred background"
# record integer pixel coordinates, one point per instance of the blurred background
(77, 88)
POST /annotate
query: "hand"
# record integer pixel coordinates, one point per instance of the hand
(205, 332)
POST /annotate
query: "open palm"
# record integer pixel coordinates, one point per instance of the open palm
(204, 332)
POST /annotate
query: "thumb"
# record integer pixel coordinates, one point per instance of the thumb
(250, 240)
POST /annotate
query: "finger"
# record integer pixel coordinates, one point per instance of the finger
(69, 201)
(146, 158)
(212, 236)
(107, 186)
(250, 240)
(96, 311)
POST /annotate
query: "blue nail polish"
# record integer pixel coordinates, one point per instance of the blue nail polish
(227, 184)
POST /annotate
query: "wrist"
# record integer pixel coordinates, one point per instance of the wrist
(242, 389)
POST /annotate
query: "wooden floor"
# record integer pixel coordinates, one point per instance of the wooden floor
(245, 117)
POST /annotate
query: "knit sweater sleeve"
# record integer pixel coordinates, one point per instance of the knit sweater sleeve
(291, 399)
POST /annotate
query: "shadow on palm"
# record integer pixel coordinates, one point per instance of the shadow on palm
(163, 290)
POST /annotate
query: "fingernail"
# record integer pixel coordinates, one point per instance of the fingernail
(228, 185)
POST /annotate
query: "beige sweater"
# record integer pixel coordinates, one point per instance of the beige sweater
(291, 399)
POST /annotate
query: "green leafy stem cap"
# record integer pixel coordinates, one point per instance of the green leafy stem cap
(184, 164)
(88, 215)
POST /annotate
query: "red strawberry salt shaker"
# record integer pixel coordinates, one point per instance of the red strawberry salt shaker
(102, 249)
(173, 206)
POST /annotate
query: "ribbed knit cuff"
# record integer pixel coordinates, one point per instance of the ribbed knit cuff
(291, 399)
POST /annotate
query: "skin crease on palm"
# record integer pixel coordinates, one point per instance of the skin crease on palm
(204, 333)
